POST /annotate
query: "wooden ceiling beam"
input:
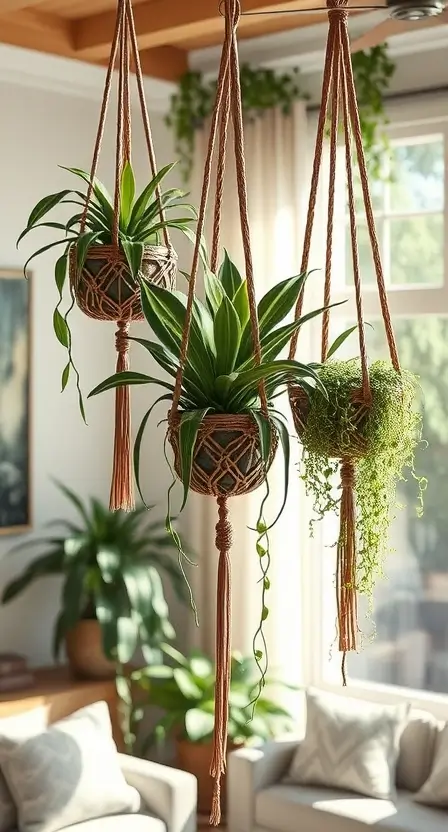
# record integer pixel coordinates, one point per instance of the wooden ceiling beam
(42, 31)
(164, 62)
(159, 22)
(8, 6)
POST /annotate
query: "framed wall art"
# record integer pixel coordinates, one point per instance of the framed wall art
(15, 355)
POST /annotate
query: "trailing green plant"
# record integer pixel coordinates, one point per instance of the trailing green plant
(139, 224)
(261, 89)
(390, 431)
(110, 564)
(221, 376)
(183, 688)
(264, 89)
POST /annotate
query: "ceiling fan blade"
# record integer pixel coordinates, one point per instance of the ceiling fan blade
(390, 27)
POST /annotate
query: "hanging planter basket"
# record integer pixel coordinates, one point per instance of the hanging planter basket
(227, 460)
(106, 290)
(365, 427)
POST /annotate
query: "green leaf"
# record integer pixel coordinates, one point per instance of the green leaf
(60, 273)
(213, 291)
(109, 561)
(61, 329)
(99, 191)
(56, 225)
(127, 378)
(227, 335)
(188, 431)
(201, 666)
(126, 195)
(139, 439)
(44, 206)
(49, 564)
(139, 588)
(230, 277)
(272, 309)
(65, 376)
(241, 304)
(265, 433)
(282, 430)
(142, 201)
(337, 343)
(198, 724)
(73, 593)
(83, 243)
(42, 251)
(134, 255)
(186, 684)
(175, 655)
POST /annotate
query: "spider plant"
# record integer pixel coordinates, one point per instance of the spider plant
(139, 225)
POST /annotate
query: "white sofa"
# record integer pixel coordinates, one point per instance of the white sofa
(260, 801)
(169, 797)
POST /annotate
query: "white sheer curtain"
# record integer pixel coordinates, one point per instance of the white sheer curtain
(276, 159)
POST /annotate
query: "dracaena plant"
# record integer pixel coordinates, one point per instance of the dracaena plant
(140, 224)
(221, 373)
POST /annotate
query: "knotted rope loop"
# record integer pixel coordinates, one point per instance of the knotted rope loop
(122, 337)
(347, 473)
(337, 10)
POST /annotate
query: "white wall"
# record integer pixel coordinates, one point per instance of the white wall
(41, 129)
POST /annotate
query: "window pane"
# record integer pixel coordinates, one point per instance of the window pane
(365, 256)
(418, 176)
(416, 250)
(410, 606)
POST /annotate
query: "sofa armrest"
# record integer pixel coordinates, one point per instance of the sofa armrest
(167, 792)
(250, 770)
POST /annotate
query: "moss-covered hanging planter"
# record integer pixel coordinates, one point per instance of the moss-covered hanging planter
(379, 439)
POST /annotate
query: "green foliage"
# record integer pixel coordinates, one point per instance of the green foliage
(139, 225)
(264, 89)
(261, 89)
(110, 563)
(373, 71)
(221, 374)
(184, 691)
(391, 431)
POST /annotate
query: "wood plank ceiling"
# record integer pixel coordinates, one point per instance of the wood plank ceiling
(167, 29)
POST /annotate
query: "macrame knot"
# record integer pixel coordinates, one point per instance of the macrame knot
(347, 474)
(337, 10)
(121, 338)
(223, 527)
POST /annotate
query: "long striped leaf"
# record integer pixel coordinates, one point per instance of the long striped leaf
(146, 195)
(43, 207)
(188, 431)
(227, 336)
(139, 439)
(125, 379)
(229, 276)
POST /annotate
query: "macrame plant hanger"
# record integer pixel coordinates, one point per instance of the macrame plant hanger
(104, 287)
(244, 432)
(338, 94)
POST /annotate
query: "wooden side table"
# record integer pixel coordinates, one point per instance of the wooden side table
(55, 689)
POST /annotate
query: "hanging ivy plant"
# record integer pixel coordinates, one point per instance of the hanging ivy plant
(264, 89)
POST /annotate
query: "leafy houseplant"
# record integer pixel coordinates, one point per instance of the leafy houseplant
(184, 691)
(112, 598)
(109, 256)
(381, 438)
(220, 416)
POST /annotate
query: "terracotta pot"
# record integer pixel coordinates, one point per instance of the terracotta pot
(195, 758)
(85, 652)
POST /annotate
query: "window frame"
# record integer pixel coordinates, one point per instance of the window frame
(410, 116)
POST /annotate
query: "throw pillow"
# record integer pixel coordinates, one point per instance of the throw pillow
(17, 727)
(67, 774)
(435, 791)
(349, 744)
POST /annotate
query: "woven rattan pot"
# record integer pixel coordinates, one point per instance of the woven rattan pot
(84, 646)
(226, 459)
(105, 289)
(299, 403)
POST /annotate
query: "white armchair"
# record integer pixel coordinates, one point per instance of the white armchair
(169, 795)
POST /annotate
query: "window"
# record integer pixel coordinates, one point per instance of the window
(410, 606)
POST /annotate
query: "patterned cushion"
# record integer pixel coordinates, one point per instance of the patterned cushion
(417, 745)
(435, 791)
(67, 774)
(16, 727)
(349, 744)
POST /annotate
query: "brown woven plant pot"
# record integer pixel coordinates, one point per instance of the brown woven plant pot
(105, 289)
(299, 403)
(226, 459)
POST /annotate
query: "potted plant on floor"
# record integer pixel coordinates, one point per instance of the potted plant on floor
(112, 599)
(184, 689)
(106, 282)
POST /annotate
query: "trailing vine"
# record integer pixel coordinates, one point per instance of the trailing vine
(391, 431)
(264, 89)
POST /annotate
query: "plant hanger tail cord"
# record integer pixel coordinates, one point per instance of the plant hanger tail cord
(124, 47)
(227, 103)
(338, 92)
